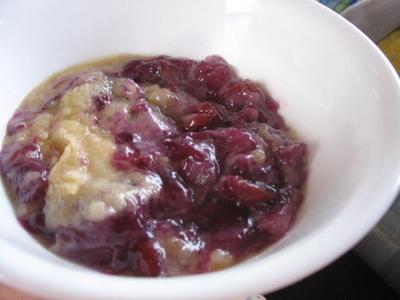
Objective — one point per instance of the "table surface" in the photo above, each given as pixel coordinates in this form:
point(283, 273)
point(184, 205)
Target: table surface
point(7, 293)
point(348, 278)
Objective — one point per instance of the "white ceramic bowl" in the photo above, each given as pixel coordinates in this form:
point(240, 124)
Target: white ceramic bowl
point(335, 88)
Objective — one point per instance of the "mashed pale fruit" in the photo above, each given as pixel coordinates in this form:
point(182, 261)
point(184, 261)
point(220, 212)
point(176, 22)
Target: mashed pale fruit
point(153, 166)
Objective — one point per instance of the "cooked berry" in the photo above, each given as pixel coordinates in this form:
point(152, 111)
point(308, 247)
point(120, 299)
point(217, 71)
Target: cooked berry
point(153, 167)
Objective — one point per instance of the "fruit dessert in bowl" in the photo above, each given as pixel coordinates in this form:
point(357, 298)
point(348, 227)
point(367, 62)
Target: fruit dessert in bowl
point(153, 166)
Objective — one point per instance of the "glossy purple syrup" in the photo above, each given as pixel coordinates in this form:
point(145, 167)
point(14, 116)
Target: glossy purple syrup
point(232, 177)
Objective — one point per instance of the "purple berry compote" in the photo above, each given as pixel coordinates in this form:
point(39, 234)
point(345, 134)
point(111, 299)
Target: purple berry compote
point(153, 166)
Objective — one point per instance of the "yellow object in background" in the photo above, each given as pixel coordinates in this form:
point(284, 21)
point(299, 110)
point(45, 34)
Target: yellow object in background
point(390, 45)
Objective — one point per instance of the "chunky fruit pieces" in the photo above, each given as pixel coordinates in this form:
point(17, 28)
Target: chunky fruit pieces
point(153, 167)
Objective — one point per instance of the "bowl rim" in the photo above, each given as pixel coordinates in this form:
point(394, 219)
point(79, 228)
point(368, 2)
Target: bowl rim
point(47, 283)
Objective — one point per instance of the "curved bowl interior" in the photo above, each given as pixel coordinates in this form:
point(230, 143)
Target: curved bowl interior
point(335, 88)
